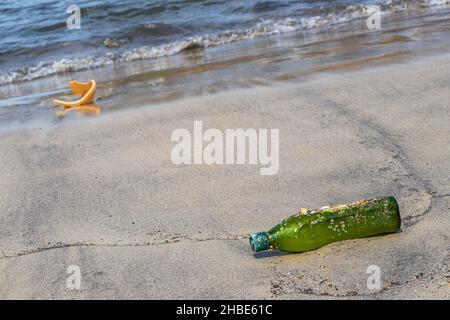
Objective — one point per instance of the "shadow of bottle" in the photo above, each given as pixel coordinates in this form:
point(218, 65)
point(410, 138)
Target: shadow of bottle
point(270, 254)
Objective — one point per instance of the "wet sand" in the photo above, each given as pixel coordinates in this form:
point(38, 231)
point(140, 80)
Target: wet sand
point(104, 195)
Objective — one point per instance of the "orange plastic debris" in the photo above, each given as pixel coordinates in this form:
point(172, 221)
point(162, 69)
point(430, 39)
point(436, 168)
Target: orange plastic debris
point(85, 89)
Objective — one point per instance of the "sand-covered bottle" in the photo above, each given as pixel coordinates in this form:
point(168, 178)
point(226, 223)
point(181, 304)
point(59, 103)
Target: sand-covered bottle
point(311, 229)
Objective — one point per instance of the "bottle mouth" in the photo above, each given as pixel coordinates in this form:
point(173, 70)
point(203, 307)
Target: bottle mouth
point(259, 241)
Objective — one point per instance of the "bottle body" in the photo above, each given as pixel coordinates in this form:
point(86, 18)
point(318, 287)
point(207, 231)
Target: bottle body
point(313, 229)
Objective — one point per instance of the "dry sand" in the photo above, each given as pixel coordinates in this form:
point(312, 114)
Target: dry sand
point(103, 194)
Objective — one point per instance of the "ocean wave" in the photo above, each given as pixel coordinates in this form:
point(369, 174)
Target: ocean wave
point(263, 28)
point(424, 3)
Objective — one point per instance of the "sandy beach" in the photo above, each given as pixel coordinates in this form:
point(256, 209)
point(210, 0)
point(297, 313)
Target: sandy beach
point(103, 194)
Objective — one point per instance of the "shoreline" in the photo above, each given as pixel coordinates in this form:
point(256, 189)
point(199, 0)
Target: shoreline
point(103, 194)
point(242, 64)
point(384, 63)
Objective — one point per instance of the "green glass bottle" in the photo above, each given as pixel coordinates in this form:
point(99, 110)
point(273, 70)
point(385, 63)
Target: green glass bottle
point(309, 230)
